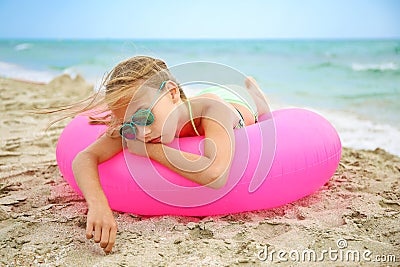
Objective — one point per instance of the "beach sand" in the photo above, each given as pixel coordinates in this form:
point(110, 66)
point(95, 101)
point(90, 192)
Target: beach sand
point(42, 220)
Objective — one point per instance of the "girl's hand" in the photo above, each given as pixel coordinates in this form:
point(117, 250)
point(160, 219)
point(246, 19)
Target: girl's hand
point(137, 147)
point(101, 220)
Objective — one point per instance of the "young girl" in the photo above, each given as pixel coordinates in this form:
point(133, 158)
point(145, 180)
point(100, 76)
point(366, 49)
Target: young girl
point(158, 113)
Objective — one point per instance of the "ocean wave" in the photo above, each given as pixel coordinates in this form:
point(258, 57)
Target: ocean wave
point(359, 133)
point(354, 130)
point(366, 95)
point(387, 66)
point(322, 65)
point(9, 70)
point(23, 46)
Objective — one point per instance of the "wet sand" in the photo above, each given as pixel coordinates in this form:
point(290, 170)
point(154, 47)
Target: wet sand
point(42, 220)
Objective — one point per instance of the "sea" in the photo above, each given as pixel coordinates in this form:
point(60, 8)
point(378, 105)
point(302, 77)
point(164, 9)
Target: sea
point(355, 84)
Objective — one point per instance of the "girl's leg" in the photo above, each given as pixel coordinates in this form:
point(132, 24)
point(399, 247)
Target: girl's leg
point(258, 96)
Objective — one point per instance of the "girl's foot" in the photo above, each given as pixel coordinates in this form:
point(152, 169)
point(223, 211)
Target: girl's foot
point(258, 96)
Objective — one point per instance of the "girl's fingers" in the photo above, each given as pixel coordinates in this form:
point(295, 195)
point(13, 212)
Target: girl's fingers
point(89, 230)
point(97, 233)
point(105, 234)
point(111, 240)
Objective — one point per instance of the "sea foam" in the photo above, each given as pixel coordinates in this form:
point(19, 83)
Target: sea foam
point(359, 133)
point(374, 67)
point(23, 46)
point(9, 70)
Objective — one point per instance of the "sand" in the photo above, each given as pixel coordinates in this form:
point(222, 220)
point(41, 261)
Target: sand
point(42, 220)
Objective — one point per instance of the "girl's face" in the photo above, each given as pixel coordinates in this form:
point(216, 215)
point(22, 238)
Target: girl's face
point(163, 106)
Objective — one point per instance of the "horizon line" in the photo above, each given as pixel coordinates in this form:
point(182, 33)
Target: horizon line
point(201, 39)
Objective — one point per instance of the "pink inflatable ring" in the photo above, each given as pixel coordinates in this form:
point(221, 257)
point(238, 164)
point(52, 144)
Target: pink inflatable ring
point(276, 161)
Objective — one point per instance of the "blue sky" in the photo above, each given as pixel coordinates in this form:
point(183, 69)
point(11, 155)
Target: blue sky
point(171, 19)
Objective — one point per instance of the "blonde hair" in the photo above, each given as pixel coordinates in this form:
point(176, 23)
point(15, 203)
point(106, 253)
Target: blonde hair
point(120, 85)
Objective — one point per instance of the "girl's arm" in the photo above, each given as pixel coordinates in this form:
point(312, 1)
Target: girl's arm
point(85, 167)
point(212, 169)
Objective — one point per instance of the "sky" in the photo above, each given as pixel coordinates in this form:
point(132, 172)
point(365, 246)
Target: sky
point(198, 19)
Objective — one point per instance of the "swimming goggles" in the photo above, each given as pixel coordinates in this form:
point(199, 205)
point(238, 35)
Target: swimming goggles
point(142, 117)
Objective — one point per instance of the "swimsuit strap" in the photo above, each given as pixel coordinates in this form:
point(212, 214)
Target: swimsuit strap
point(191, 117)
point(241, 123)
